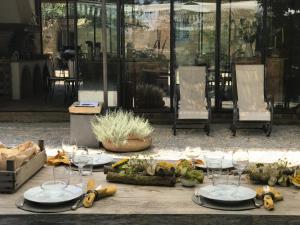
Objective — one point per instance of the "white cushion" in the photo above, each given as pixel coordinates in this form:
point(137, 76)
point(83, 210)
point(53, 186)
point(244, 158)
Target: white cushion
point(255, 116)
point(192, 92)
point(250, 86)
point(192, 114)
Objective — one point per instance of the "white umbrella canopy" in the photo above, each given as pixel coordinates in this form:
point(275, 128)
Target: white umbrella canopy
point(153, 10)
point(157, 7)
point(200, 7)
point(249, 5)
point(195, 6)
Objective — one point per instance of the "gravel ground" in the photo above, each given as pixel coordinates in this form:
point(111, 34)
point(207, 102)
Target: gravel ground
point(284, 141)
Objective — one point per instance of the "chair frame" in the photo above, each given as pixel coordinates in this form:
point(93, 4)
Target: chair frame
point(236, 123)
point(185, 123)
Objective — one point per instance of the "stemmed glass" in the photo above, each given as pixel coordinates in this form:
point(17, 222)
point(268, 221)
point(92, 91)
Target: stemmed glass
point(69, 146)
point(240, 160)
point(80, 159)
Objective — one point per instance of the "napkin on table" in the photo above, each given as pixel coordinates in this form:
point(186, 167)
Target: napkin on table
point(269, 195)
point(58, 159)
point(98, 193)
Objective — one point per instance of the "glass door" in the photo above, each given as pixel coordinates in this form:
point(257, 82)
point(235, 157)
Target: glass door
point(283, 54)
point(91, 51)
point(146, 63)
point(195, 36)
point(241, 40)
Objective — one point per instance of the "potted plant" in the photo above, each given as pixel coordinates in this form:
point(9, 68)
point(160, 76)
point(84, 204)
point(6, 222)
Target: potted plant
point(149, 96)
point(121, 131)
point(247, 31)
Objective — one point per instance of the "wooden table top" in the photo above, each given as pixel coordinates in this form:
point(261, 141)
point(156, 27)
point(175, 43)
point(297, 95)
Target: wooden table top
point(152, 205)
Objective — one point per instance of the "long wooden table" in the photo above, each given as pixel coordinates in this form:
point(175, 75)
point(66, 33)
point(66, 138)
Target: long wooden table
point(149, 205)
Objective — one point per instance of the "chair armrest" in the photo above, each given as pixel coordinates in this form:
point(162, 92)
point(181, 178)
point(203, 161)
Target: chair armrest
point(208, 102)
point(235, 111)
point(175, 99)
point(270, 104)
point(235, 105)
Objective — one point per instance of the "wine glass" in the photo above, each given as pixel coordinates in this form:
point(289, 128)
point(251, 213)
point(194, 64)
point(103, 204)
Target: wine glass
point(240, 160)
point(81, 158)
point(69, 146)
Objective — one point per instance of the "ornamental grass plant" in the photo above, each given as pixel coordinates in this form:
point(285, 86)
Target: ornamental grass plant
point(118, 126)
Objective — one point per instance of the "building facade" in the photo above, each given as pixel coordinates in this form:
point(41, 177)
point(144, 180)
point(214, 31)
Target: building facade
point(147, 40)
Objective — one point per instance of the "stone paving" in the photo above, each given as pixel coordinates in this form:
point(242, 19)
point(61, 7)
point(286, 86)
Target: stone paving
point(284, 141)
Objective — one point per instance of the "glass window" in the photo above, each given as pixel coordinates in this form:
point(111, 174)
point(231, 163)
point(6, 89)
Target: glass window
point(90, 41)
point(241, 32)
point(54, 27)
point(195, 36)
point(195, 32)
point(283, 54)
point(241, 40)
point(147, 50)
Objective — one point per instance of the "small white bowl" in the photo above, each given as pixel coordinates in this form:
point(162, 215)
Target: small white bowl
point(187, 182)
point(54, 185)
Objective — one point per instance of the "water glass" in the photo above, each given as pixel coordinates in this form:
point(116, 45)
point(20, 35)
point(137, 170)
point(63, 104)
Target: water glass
point(59, 182)
point(87, 170)
point(81, 158)
point(214, 168)
point(61, 174)
point(76, 180)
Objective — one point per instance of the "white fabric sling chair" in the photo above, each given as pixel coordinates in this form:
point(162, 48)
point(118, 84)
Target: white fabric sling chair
point(192, 105)
point(250, 104)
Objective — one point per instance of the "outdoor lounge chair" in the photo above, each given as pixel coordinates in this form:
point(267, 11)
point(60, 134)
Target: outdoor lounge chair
point(191, 103)
point(250, 105)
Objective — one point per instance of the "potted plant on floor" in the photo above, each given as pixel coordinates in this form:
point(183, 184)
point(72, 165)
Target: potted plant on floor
point(247, 31)
point(149, 96)
point(121, 131)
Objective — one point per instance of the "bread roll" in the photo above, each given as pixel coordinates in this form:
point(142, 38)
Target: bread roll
point(20, 154)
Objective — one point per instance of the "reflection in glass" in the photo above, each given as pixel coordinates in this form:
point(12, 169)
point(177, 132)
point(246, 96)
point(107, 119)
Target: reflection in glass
point(241, 31)
point(54, 27)
point(241, 40)
point(283, 54)
point(90, 41)
point(195, 36)
point(147, 43)
point(195, 32)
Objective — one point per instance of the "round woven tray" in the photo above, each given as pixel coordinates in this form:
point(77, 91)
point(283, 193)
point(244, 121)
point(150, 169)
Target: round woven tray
point(132, 145)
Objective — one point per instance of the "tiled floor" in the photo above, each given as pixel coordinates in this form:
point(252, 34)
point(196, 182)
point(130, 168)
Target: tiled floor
point(284, 141)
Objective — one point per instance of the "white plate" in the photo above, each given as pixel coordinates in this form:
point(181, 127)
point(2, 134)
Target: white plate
point(101, 159)
point(227, 193)
point(226, 164)
point(38, 195)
